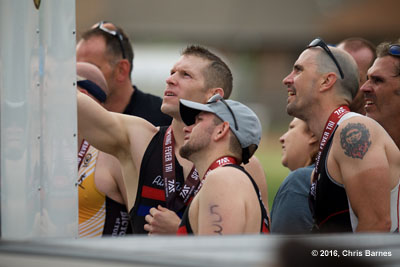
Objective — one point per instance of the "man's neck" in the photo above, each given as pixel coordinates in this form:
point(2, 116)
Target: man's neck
point(316, 123)
point(393, 130)
point(203, 163)
point(118, 99)
point(179, 135)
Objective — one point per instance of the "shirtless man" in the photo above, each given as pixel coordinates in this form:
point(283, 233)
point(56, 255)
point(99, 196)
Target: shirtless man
point(355, 181)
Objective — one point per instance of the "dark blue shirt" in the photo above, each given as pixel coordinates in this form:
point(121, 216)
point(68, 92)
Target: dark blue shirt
point(290, 213)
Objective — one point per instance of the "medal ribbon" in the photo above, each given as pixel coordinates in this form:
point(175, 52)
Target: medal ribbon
point(82, 152)
point(330, 126)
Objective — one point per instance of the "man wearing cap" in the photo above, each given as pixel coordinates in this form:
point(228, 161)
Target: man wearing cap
point(382, 89)
point(356, 176)
point(108, 47)
point(154, 172)
point(222, 134)
point(102, 209)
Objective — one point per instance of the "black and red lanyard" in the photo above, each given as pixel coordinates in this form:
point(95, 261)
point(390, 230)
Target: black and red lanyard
point(330, 126)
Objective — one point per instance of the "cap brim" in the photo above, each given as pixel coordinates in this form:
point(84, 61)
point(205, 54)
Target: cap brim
point(189, 110)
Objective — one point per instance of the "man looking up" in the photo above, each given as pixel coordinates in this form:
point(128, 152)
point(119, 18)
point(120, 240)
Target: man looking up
point(357, 165)
point(222, 134)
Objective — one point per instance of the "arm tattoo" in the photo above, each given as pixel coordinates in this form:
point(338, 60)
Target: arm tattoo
point(218, 219)
point(355, 140)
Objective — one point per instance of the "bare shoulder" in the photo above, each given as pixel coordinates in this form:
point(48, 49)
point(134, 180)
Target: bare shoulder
point(227, 179)
point(137, 124)
point(357, 135)
point(364, 120)
point(361, 122)
point(139, 134)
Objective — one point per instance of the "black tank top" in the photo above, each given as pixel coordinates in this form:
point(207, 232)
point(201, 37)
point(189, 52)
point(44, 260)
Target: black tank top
point(330, 206)
point(117, 219)
point(151, 192)
point(186, 229)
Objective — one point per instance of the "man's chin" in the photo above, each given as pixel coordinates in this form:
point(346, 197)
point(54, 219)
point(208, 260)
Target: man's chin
point(169, 110)
point(185, 152)
point(290, 111)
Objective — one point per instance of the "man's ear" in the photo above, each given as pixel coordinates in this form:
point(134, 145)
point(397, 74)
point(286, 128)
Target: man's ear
point(328, 81)
point(214, 91)
point(122, 70)
point(313, 139)
point(222, 130)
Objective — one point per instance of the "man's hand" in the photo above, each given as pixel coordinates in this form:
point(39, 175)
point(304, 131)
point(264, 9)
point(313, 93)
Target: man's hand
point(162, 221)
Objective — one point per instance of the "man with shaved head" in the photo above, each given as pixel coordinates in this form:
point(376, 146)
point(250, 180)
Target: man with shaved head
point(355, 181)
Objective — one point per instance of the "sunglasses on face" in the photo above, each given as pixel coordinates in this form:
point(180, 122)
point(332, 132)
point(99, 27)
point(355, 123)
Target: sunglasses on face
point(217, 98)
point(394, 50)
point(319, 42)
point(115, 33)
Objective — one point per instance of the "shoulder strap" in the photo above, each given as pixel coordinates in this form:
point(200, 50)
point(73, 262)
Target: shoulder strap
point(264, 215)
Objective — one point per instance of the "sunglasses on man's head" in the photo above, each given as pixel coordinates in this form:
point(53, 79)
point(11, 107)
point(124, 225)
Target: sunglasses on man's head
point(115, 33)
point(394, 50)
point(217, 98)
point(319, 42)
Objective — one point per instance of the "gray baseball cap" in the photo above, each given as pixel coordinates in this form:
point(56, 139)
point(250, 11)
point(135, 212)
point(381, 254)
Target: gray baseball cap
point(243, 122)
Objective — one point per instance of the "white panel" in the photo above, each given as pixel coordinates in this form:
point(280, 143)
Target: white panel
point(38, 119)
point(20, 147)
point(59, 152)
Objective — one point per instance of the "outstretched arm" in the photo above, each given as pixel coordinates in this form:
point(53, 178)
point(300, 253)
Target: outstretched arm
point(123, 136)
point(113, 133)
point(102, 129)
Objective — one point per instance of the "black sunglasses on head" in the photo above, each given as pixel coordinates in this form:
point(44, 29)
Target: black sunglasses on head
point(319, 42)
point(115, 33)
point(394, 50)
point(217, 98)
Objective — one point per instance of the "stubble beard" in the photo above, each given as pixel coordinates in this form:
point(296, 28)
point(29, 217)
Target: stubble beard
point(189, 149)
point(291, 109)
point(196, 144)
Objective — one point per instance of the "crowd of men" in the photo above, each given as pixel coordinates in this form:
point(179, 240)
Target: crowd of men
point(184, 164)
